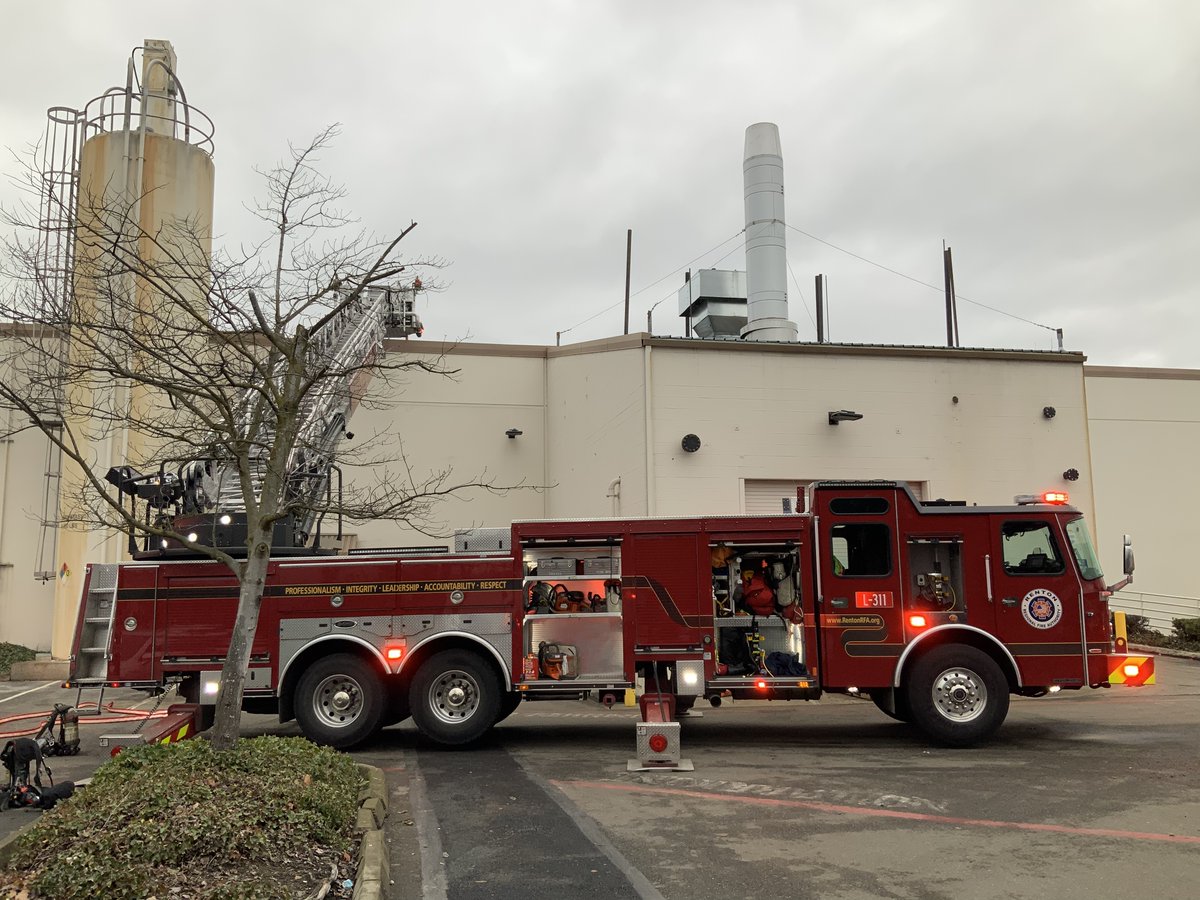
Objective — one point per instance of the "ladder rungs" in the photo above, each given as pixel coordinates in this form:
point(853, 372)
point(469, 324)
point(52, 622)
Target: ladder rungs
point(93, 649)
point(97, 619)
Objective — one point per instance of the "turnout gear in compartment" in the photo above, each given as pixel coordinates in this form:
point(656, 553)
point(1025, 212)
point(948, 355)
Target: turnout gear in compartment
point(734, 653)
point(755, 595)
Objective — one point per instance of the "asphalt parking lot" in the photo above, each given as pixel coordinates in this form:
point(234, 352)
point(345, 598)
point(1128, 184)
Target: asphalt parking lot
point(1081, 795)
point(1085, 794)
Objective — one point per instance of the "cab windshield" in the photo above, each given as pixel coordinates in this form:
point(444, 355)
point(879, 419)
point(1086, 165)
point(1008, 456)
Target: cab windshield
point(1085, 553)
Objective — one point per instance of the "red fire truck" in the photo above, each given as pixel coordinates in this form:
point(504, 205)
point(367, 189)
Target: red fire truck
point(935, 610)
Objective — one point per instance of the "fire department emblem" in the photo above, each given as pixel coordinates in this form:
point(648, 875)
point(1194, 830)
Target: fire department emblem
point(1041, 609)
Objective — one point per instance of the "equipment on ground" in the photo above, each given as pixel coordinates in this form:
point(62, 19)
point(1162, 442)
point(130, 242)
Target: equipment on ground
point(66, 741)
point(22, 759)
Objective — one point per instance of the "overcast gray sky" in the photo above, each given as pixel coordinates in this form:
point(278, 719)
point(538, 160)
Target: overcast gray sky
point(1054, 146)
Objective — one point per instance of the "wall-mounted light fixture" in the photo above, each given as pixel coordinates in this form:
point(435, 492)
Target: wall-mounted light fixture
point(690, 443)
point(513, 433)
point(1071, 475)
point(843, 415)
point(1049, 412)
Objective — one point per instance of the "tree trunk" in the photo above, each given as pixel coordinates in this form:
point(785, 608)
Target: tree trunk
point(228, 718)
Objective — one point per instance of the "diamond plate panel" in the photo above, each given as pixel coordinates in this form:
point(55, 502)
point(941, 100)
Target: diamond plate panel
point(648, 757)
point(494, 628)
point(104, 577)
point(296, 634)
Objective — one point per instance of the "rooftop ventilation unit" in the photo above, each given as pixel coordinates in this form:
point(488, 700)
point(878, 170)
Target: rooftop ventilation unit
point(714, 300)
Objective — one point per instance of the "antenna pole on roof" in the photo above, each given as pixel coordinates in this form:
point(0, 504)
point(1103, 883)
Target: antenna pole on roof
point(628, 262)
point(951, 304)
point(820, 309)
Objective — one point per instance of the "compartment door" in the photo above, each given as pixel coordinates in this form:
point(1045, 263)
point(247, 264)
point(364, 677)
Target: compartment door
point(862, 632)
point(135, 628)
point(664, 576)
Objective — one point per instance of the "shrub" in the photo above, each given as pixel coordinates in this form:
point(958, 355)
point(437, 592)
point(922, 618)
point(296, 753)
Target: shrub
point(1186, 629)
point(1138, 626)
point(13, 653)
point(161, 816)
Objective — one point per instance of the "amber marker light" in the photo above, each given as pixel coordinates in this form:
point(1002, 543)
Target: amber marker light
point(1055, 497)
point(394, 652)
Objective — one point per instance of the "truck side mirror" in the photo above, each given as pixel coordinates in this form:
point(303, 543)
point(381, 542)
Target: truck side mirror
point(1128, 579)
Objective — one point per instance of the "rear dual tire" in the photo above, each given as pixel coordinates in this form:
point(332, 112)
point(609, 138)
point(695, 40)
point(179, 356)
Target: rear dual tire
point(455, 697)
point(340, 701)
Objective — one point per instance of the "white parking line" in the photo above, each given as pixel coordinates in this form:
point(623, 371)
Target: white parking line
point(30, 691)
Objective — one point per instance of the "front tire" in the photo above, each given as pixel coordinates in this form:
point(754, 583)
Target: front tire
point(455, 697)
point(339, 701)
point(957, 695)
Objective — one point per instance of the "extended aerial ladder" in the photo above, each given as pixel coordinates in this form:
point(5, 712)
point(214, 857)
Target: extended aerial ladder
point(206, 497)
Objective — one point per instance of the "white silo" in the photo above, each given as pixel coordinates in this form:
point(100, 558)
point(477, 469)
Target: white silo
point(144, 176)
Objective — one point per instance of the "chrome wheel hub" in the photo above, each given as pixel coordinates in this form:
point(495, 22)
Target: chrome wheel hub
point(959, 695)
point(454, 696)
point(338, 701)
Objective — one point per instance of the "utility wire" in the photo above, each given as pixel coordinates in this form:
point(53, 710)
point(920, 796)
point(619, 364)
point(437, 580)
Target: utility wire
point(659, 281)
point(934, 287)
point(803, 301)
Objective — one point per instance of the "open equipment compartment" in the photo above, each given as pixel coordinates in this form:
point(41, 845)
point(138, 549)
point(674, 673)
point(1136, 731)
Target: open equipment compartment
point(573, 636)
point(757, 612)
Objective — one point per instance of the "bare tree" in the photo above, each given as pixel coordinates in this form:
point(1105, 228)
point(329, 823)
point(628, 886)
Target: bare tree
point(222, 384)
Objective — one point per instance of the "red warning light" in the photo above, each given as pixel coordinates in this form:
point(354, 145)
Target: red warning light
point(762, 685)
point(1055, 497)
point(916, 621)
point(658, 743)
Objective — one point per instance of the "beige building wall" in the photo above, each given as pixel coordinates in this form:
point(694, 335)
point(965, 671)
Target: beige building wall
point(597, 425)
point(1144, 428)
point(603, 424)
point(26, 603)
point(762, 413)
point(456, 424)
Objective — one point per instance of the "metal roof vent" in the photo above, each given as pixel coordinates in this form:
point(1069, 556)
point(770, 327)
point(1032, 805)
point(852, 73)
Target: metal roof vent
point(714, 303)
